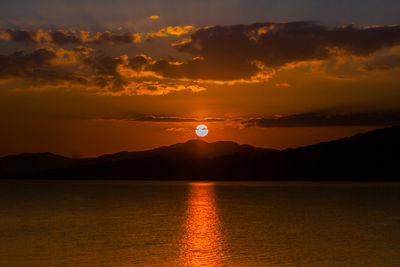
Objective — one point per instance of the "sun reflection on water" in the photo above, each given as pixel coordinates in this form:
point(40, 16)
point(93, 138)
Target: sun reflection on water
point(202, 243)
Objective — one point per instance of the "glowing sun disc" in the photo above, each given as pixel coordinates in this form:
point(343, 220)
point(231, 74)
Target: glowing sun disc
point(201, 130)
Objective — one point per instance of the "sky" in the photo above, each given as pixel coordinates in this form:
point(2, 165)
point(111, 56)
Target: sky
point(85, 78)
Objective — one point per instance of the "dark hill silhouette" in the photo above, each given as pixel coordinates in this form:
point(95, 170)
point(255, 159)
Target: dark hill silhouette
point(33, 162)
point(371, 156)
point(193, 149)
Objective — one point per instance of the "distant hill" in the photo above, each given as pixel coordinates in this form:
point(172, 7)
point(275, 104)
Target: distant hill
point(33, 162)
point(21, 165)
point(192, 149)
point(371, 156)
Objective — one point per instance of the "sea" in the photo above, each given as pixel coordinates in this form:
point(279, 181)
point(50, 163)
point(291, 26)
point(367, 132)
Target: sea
point(133, 223)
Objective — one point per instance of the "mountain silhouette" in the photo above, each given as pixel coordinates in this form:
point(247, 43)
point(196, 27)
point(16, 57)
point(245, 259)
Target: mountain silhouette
point(33, 162)
point(371, 156)
point(193, 149)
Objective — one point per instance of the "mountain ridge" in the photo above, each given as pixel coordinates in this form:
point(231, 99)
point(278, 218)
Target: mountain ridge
point(373, 155)
point(194, 148)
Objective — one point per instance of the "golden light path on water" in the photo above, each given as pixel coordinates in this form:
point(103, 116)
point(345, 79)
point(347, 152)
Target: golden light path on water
point(202, 244)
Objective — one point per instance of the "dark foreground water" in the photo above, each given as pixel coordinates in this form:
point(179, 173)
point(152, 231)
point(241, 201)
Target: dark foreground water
point(124, 223)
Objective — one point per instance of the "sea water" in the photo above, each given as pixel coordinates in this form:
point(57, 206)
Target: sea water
point(129, 223)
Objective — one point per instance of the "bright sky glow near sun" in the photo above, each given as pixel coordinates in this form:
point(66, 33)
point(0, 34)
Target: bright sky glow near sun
point(84, 78)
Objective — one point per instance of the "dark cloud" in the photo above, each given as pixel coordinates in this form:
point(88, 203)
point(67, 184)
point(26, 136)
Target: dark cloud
point(208, 69)
point(279, 43)
point(20, 36)
point(138, 62)
point(363, 41)
point(65, 37)
point(241, 51)
point(220, 54)
point(383, 63)
point(115, 38)
point(105, 71)
point(34, 65)
point(19, 62)
point(39, 67)
point(320, 119)
point(176, 119)
point(103, 64)
point(83, 66)
point(234, 53)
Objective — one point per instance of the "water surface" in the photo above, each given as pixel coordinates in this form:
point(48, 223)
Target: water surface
point(127, 223)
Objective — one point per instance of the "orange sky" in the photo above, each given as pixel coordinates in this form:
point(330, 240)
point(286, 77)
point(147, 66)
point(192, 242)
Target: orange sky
point(85, 88)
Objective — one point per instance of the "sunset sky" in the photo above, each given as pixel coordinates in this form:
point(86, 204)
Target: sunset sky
point(84, 78)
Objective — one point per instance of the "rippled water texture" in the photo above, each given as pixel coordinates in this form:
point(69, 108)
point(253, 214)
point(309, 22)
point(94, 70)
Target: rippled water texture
point(202, 244)
point(126, 223)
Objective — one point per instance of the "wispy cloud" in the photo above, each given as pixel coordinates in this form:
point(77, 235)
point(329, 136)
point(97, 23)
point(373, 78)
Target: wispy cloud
point(170, 31)
point(66, 37)
point(176, 119)
point(283, 84)
point(175, 129)
point(154, 17)
point(324, 119)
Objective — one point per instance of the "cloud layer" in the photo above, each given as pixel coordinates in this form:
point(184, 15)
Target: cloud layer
point(322, 119)
point(87, 68)
point(176, 119)
point(315, 119)
point(62, 37)
point(219, 55)
point(245, 51)
point(65, 37)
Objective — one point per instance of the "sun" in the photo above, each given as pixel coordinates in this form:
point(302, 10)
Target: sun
point(202, 130)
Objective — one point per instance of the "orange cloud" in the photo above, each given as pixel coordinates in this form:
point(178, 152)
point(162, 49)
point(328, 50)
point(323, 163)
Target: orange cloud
point(174, 129)
point(221, 55)
point(85, 68)
point(65, 37)
point(154, 17)
point(385, 60)
point(170, 31)
point(283, 85)
point(151, 118)
point(318, 119)
point(241, 51)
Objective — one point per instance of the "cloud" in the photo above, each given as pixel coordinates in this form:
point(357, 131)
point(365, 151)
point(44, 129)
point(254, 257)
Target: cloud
point(243, 52)
point(40, 66)
point(114, 38)
point(175, 129)
point(66, 37)
point(222, 55)
point(383, 63)
point(88, 69)
point(322, 119)
point(315, 119)
point(235, 54)
point(128, 76)
point(176, 119)
point(159, 88)
point(283, 85)
point(154, 17)
point(276, 44)
point(164, 119)
point(170, 31)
